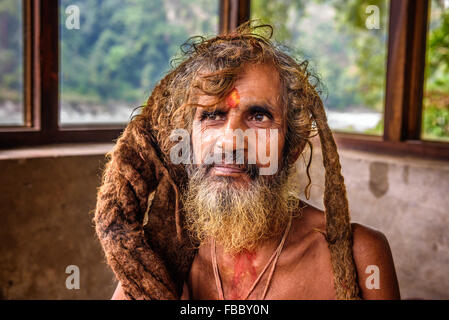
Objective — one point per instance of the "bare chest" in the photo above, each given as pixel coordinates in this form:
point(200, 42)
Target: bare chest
point(299, 274)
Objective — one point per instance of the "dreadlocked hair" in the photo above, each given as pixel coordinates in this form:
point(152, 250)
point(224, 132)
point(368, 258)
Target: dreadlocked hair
point(139, 218)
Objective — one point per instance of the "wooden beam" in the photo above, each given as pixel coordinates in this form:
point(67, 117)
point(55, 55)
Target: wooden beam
point(396, 65)
point(414, 148)
point(233, 13)
point(27, 62)
point(49, 65)
point(224, 13)
point(405, 69)
point(415, 69)
point(244, 13)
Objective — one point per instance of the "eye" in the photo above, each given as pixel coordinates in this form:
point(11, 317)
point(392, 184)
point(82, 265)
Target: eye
point(259, 117)
point(213, 116)
point(259, 114)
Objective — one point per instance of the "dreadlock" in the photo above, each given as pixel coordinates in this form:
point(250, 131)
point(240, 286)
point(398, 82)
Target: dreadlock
point(138, 216)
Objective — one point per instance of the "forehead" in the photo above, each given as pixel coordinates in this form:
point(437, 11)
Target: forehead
point(259, 82)
point(256, 83)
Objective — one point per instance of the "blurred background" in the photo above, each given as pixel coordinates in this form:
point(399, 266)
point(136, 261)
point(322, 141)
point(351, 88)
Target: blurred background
point(72, 72)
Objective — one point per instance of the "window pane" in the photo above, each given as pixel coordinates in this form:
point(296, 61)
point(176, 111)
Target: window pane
point(436, 93)
point(120, 50)
point(346, 44)
point(11, 63)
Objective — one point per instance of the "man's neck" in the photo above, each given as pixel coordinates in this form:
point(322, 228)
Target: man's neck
point(255, 257)
point(248, 266)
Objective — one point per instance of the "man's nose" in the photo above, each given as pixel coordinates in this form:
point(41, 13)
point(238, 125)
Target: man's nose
point(231, 128)
point(234, 125)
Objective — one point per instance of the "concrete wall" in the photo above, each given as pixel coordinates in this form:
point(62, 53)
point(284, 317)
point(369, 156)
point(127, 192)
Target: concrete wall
point(408, 200)
point(46, 225)
point(47, 199)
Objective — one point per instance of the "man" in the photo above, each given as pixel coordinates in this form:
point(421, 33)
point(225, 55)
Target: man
point(253, 239)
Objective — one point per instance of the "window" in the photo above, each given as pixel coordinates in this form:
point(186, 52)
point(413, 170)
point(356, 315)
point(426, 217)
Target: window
point(11, 64)
point(119, 51)
point(345, 47)
point(435, 125)
point(407, 106)
point(80, 82)
point(383, 63)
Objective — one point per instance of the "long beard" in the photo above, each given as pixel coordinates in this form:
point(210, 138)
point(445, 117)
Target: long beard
point(238, 217)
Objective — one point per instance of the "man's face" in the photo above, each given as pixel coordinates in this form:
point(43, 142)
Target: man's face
point(257, 110)
point(235, 203)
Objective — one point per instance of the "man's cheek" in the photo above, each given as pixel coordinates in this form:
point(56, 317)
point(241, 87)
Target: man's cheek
point(196, 146)
point(268, 151)
point(198, 142)
point(205, 148)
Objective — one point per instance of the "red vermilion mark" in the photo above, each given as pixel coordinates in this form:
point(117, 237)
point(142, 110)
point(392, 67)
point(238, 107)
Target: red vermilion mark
point(243, 267)
point(233, 99)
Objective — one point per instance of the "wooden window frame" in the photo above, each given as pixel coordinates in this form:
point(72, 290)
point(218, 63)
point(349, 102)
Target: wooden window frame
point(407, 34)
point(41, 90)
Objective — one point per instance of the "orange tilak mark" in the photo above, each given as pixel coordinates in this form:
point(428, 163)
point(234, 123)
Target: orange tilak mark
point(243, 266)
point(233, 99)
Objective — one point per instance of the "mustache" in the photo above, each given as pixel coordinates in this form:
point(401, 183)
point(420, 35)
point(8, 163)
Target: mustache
point(232, 158)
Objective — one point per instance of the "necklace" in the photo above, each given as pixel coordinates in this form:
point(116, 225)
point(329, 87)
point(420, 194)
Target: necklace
point(274, 256)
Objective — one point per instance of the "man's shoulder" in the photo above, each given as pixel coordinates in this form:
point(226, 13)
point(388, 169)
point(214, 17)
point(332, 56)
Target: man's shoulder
point(371, 252)
point(374, 264)
point(368, 241)
point(311, 217)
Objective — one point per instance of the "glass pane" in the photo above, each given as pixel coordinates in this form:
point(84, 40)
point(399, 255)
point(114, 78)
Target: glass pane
point(112, 59)
point(435, 122)
point(11, 63)
point(345, 43)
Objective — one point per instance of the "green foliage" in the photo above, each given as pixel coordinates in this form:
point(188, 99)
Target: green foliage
point(436, 96)
point(122, 49)
point(436, 123)
point(438, 47)
point(11, 48)
point(350, 58)
point(275, 13)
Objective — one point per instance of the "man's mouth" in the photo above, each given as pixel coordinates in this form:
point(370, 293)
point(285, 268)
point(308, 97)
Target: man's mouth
point(229, 169)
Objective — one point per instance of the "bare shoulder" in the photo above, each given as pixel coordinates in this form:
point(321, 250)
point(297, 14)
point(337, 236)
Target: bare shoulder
point(374, 263)
point(371, 251)
point(311, 217)
point(368, 242)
